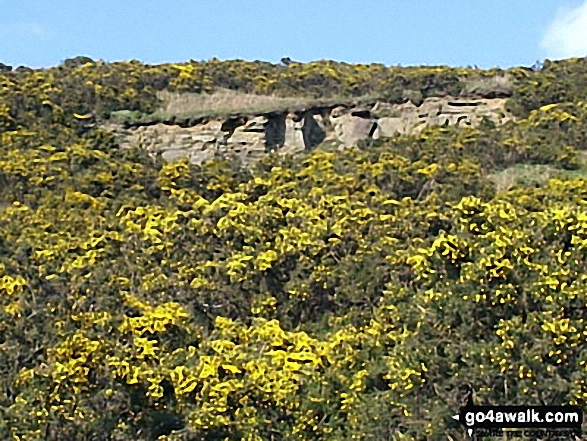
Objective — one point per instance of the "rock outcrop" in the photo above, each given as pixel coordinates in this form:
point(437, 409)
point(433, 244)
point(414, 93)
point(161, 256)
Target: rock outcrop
point(252, 136)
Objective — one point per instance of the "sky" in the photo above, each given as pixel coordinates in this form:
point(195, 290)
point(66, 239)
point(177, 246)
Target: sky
point(483, 33)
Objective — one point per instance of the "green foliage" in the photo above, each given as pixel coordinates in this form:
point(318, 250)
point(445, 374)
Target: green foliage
point(84, 87)
point(557, 82)
point(336, 295)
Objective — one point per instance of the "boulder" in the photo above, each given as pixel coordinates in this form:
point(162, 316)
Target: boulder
point(294, 138)
point(387, 127)
point(350, 129)
point(198, 156)
point(173, 155)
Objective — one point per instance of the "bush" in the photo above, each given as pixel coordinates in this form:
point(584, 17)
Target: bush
point(338, 295)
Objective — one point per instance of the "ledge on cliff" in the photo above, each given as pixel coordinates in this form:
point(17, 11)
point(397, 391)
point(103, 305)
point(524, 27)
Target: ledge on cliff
point(296, 129)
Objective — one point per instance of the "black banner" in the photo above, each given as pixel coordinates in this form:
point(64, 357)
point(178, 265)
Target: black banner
point(490, 419)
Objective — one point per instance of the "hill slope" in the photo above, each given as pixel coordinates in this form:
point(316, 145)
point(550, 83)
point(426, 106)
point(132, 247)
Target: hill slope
point(337, 294)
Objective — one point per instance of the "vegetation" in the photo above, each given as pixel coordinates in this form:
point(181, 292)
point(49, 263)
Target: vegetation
point(223, 103)
point(338, 295)
point(83, 86)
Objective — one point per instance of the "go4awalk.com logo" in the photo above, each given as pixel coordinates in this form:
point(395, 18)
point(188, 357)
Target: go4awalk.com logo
point(535, 422)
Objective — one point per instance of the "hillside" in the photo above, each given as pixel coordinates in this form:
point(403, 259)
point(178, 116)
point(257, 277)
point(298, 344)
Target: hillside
point(401, 233)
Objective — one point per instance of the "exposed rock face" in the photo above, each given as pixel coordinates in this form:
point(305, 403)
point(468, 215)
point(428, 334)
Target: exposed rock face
point(250, 137)
point(407, 118)
point(352, 127)
point(247, 140)
point(294, 138)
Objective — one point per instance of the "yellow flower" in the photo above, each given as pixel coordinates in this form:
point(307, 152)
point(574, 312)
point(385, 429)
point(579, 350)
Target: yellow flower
point(230, 368)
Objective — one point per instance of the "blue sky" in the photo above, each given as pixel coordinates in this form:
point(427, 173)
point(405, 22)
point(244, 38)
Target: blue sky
point(486, 33)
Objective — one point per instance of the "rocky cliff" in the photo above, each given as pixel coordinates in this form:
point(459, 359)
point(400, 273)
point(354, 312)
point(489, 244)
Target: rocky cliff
point(290, 131)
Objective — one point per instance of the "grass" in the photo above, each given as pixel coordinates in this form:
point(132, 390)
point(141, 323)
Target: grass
point(500, 84)
point(225, 102)
point(526, 175)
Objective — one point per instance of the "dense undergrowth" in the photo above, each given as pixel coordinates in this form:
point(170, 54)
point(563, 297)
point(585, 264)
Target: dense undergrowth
point(340, 295)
